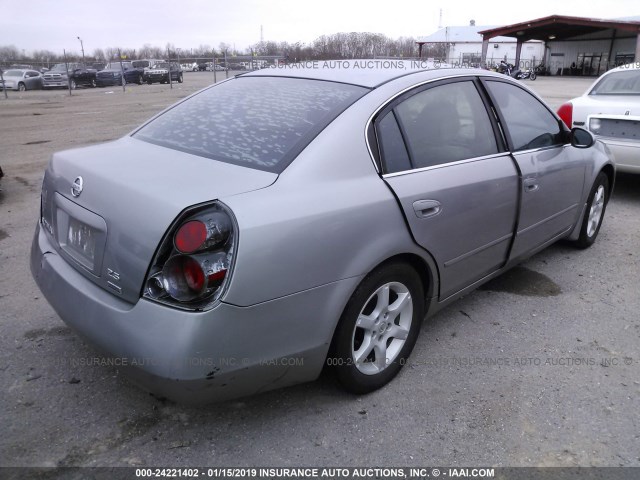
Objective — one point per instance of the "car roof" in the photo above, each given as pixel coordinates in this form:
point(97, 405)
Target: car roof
point(365, 73)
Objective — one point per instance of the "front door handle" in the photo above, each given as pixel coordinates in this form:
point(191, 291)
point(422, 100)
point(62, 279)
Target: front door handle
point(426, 208)
point(530, 184)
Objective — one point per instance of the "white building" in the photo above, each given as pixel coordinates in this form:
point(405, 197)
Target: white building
point(574, 45)
point(463, 45)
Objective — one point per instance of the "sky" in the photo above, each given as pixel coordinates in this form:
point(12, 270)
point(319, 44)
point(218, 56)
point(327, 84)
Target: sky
point(55, 24)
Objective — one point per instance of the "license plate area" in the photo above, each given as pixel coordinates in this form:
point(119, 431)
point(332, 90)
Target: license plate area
point(81, 240)
point(81, 234)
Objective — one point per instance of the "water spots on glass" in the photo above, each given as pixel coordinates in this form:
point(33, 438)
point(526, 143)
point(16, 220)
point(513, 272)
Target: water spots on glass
point(260, 122)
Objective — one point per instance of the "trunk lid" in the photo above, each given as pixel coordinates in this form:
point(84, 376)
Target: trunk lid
point(131, 192)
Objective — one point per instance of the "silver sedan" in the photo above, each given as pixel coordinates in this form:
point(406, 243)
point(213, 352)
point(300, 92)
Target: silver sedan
point(21, 79)
point(294, 219)
point(610, 109)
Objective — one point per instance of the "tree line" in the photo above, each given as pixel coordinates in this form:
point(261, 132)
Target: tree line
point(336, 46)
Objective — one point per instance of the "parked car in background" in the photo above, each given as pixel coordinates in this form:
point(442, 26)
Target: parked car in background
point(160, 73)
point(144, 64)
point(112, 74)
point(610, 109)
point(20, 79)
point(79, 74)
point(285, 221)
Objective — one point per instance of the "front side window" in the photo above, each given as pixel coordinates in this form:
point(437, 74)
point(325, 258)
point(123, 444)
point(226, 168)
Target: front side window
point(529, 123)
point(258, 122)
point(446, 123)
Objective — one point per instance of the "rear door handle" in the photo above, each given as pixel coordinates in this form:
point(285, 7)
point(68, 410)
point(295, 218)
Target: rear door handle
point(426, 208)
point(530, 184)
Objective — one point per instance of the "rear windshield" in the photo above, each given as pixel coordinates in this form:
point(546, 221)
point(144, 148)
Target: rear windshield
point(618, 83)
point(257, 122)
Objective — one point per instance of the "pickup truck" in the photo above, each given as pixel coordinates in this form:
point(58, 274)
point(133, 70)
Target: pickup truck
point(79, 74)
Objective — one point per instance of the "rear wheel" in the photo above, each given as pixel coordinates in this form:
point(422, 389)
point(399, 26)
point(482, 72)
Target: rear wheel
point(72, 84)
point(22, 87)
point(533, 76)
point(180, 79)
point(378, 328)
point(93, 83)
point(596, 206)
point(140, 79)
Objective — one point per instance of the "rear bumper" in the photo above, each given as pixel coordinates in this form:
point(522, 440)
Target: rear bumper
point(54, 84)
point(626, 154)
point(196, 357)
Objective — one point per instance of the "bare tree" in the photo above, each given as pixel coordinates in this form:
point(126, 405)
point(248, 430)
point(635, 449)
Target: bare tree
point(99, 54)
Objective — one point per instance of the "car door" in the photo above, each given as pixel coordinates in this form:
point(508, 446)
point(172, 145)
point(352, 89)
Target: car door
point(32, 80)
point(457, 185)
point(552, 172)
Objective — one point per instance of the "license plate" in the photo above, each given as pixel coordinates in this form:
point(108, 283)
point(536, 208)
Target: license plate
point(81, 239)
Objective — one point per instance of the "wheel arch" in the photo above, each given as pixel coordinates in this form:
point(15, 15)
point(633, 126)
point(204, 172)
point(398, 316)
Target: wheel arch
point(424, 267)
point(610, 172)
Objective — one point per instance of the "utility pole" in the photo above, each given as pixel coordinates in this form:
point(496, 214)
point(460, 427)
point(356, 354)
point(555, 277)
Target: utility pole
point(82, 48)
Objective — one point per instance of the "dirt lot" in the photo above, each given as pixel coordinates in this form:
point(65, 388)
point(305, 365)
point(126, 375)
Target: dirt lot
point(540, 367)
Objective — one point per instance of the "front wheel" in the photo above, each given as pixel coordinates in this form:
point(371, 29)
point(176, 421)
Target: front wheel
point(596, 205)
point(72, 84)
point(22, 87)
point(378, 328)
point(140, 79)
point(533, 76)
point(180, 79)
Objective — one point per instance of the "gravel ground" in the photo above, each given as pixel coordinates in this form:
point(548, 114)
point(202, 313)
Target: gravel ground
point(538, 368)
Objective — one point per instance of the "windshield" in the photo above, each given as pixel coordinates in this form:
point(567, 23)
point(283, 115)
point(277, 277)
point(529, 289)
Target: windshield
point(161, 65)
point(12, 73)
point(257, 122)
point(59, 67)
point(618, 83)
point(116, 65)
point(140, 63)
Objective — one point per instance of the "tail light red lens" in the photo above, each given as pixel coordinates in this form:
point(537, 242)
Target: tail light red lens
point(189, 277)
point(565, 112)
point(206, 232)
point(191, 236)
point(191, 268)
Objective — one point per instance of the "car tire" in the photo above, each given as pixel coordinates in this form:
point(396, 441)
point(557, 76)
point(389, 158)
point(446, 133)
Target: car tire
point(93, 83)
point(533, 76)
point(149, 82)
point(594, 213)
point(140, 80)
point(378, 328)
point(72, 84)
point(180, 79)
point(22, 87)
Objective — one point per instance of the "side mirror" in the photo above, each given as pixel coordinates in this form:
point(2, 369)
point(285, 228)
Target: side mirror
point(581, 138)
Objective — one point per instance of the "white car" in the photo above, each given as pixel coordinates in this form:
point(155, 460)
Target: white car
point(610, 109)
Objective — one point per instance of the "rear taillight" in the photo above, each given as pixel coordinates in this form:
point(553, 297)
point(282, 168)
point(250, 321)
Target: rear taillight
point(565, 112)
point(191, 268)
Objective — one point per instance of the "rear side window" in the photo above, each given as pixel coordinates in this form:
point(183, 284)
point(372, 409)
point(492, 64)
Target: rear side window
point(394, 152)
point(257, 122)
point(446, 123)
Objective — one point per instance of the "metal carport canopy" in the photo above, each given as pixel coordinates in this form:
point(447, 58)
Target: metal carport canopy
point(556, 27)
